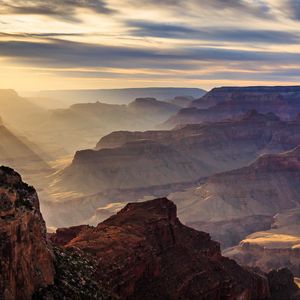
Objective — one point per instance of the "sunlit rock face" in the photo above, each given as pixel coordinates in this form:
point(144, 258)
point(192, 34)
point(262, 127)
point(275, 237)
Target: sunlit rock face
point(146, 253)
point(231, 231)
point(278, 247)
point(26, 258)
point(229, 102)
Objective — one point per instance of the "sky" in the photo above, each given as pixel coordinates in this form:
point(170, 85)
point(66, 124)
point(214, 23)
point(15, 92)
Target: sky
point(77, 44)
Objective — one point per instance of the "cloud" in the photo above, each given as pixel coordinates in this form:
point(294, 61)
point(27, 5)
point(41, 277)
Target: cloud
point(149, 29)
point(292, 7)
point(59, 54)
point(257, 8)
point(55, 8)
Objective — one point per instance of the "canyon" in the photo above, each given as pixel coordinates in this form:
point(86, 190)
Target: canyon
point(128, 256)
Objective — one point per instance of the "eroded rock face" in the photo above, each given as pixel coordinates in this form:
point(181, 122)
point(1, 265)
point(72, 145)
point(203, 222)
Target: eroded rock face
point(26, 263)
point(142, 159)
point(144, 252)
point(268, 186)
point(228, 102)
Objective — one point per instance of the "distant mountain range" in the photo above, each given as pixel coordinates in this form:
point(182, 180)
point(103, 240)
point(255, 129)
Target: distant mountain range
point(231, 102)
point(118, 96)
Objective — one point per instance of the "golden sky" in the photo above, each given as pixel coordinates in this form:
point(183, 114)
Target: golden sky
point(73, 44)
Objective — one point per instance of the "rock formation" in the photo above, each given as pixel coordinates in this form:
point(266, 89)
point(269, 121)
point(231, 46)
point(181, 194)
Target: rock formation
point(267, 186)
point(142, 252)
point(229, 102)
point(26, 259)
point(143, 159)
point(136, 251)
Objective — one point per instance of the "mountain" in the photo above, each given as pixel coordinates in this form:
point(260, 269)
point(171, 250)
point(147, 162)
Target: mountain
point(131, 255)
point(91, 120)
point(275, 248)
point(15, 152)
point(118, 96)
point(181, 101)
point(269, 185)
point(151, 106)
point(230, 102)
point(137, 248)
point(143, 159)
point(18, 111)
point(233, 204)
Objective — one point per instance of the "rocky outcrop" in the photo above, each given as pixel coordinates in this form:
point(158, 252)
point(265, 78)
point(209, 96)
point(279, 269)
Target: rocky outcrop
point(143, 159)
point(229, 102)
point(26, 263)
point(136, 251)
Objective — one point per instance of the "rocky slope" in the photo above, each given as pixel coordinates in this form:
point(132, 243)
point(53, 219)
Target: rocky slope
point(26, 262)
point(136, 249)
point(269, 185)
point(143, 159)
point(229, 102)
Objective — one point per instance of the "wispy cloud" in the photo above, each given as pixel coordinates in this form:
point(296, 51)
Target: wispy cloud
point(55, 8)
point(146, 40)
point(150, 29)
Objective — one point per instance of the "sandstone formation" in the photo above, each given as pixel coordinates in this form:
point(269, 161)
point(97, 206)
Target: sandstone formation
point(26, 262)
point(268, 186)
point(137, 248)
point(143, 159)
point(229, 102)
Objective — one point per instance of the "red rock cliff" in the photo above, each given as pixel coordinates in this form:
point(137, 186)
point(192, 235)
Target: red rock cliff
point(144, 252)
point(26, 260)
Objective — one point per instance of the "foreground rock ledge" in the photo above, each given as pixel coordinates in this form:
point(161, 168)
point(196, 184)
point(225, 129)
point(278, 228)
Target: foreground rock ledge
point(146, 253)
